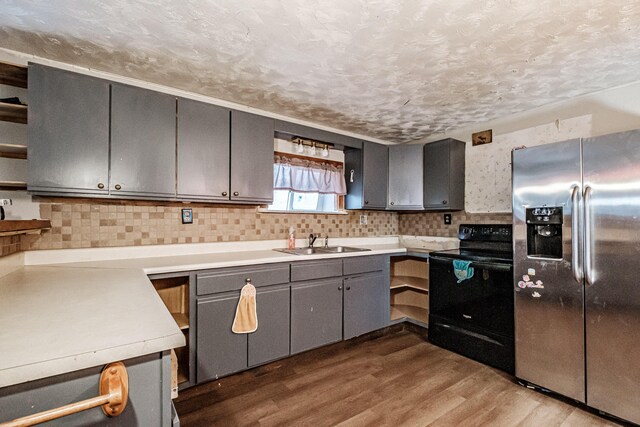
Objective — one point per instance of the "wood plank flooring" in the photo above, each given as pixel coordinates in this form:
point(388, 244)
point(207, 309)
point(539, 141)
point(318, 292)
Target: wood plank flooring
point(398, 379)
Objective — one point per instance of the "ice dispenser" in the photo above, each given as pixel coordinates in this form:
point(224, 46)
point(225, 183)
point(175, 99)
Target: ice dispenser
point(544, 232)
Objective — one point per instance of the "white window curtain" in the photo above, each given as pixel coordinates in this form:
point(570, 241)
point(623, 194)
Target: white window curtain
point(305, 176)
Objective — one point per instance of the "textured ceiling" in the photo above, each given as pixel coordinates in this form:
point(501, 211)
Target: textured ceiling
point(392, 69)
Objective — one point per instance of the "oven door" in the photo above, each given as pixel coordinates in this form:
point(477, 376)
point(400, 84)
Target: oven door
point(473, 317)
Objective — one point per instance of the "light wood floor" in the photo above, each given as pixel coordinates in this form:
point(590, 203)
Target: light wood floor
point(393, 380)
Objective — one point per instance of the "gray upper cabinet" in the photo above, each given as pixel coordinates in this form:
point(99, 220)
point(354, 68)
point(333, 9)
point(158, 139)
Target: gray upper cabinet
point(251, 157)
point(203, 150)
point(444, 175)
point(143, 142)
point(366, 303)
point(316, 314)
point(68, 131)
point(406, 177)
point(367, 176)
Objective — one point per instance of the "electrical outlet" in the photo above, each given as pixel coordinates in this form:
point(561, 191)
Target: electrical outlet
point(5, 202)
point(363, 220)
point(447, 219)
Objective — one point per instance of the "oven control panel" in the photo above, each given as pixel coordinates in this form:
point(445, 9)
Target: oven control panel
point(485, 232)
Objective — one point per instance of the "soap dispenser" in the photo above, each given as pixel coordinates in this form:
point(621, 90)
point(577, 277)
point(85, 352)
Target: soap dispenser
point(292, 238)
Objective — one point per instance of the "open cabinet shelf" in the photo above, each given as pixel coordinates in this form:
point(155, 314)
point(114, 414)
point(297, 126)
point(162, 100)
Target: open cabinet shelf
point(174, 292)
point(14, 75)
point(409, 289)
point(15, 113)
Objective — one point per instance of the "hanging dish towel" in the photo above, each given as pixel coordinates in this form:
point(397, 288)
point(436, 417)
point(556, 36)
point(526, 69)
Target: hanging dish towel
point(246, 320)
point(462, 270)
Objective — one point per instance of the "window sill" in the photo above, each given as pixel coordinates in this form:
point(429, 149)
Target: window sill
point(265, 210)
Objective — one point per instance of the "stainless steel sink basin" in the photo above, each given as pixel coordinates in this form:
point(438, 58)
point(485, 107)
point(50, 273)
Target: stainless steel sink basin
point(341, 249)
point(327, 250)
point(299, 251)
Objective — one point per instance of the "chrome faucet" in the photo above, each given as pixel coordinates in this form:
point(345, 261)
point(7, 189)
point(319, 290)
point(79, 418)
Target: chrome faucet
point(312, 240)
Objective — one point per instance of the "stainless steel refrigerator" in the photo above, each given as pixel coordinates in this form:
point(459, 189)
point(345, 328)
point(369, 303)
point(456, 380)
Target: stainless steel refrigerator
point(576, 228)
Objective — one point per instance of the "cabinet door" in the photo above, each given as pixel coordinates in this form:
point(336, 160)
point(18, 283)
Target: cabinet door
point(375, 175)
point(366, 173)
point(316, 314)
point(251, 157)
point(444, 175)
point(143, 142)
point(366, 304)
point(68, 132)
point(219, 351)
point(405, 177)
point(203, 150)
point(271, 340)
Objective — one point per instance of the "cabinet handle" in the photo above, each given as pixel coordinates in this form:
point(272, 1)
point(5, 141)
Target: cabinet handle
point(224, 194)
point(339, 288)
point(235, 193)
point(444, 202)
point(118, 186)
point(100, 185)
point(348, 288)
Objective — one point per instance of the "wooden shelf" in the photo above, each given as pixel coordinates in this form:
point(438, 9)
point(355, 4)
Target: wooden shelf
point(399, 311)
point(30, 226)
point(417, 283)
point(14, 151)
point(13, 113)
point(13, 75)
point(182, 377)
point(181, 319)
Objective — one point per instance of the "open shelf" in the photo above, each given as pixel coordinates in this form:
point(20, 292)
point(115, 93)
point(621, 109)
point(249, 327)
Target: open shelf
point(174, 292)
point(409, 288)
point(14, 75)
point(10, 227)
point(15, 113)
point(14, 151)
point(418, 283)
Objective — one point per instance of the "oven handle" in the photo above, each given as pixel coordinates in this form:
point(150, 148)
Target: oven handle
point(483, 265)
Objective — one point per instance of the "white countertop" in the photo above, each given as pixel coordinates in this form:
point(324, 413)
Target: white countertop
point(58, 320)
point(66, 310)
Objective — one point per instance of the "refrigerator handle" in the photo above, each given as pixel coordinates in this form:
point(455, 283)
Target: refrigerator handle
point(575, 232)
point(587, 235)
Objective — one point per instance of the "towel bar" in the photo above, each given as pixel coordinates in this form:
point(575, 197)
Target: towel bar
point(114, 392)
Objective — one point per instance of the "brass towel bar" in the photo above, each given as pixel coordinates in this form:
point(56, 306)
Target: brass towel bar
point(114, 392)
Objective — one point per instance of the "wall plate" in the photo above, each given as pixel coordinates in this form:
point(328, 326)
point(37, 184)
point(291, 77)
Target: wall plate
point(447, 219)
point(187, 216)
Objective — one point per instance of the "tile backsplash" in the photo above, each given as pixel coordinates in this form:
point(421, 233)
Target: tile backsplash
point(85, 223)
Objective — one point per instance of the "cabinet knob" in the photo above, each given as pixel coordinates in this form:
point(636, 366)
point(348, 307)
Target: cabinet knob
point(118, 186)
point(100, 185)
point(235, 193)
point(366, 202)
point(348, 288)
point(339, 288)
point(224, 194)
point(392, 203)
point(444, 202)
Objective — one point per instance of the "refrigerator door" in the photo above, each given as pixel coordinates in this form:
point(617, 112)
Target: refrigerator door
point(612, 273)
point(549, 318)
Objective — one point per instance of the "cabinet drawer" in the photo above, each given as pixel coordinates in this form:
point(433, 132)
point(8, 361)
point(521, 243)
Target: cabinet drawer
point(315, 270)
point(231, 279)
point(364, 264)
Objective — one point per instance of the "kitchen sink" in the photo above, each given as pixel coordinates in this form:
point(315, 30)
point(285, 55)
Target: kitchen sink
point(325, 250)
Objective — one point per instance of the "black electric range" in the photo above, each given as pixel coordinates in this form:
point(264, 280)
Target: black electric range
point(473, 316)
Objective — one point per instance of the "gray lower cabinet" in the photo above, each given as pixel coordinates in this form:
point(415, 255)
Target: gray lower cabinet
point(271, 340)
point(251, 157)
point(444, 175)
point(367, 172)
point(406, 177)
point(366, 303)
point(220, 352)
point(316, 314)
point(203, 150)
point(68, 132)
point(149, 402)
point(143, 142)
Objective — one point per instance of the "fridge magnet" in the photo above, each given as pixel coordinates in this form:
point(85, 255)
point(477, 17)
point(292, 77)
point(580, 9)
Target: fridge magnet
point(538, 284)
point(522, 284)
point(187, 216)
point(531, 271)
point(535, 294)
